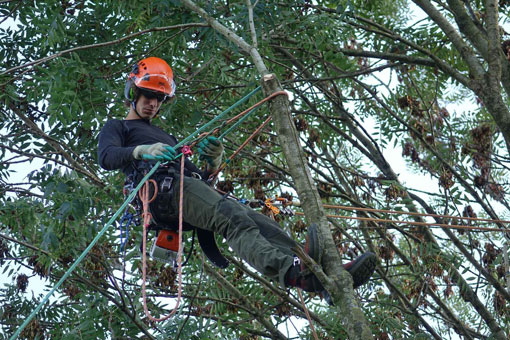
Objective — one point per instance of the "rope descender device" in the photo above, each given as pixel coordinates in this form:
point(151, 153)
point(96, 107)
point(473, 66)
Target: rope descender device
point(186, 151)
point(269, 204)
point(284, 209)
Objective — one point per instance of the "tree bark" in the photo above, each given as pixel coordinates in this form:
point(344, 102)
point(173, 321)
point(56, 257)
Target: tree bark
point(338, 282)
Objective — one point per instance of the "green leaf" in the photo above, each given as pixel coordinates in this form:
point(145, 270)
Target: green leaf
point(64, 210)
point(49, 239)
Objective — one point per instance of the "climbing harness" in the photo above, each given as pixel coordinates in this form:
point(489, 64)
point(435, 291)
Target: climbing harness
point(163, 246)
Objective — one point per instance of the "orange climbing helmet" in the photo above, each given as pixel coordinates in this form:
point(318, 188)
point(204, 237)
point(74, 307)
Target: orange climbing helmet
point(151, 74)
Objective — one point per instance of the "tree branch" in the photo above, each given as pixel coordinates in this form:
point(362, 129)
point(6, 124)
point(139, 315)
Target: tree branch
point(109, 43)
point(77, 166)
point(465, 51)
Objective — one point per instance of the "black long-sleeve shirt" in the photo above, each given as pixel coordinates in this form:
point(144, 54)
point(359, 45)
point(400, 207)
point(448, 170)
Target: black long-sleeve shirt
point(118, 139)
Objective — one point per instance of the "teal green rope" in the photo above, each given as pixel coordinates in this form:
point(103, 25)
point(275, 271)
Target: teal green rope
point(205, 126)
point(236, 124)
point(119, 211)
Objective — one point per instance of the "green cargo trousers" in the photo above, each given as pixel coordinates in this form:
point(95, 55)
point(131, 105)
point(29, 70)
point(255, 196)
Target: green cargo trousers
point(254, 237)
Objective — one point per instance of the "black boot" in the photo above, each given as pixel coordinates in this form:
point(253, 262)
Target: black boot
point(298, 275)
point(361, 269)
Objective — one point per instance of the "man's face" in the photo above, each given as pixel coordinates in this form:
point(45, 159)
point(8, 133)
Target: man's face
point(148, 104)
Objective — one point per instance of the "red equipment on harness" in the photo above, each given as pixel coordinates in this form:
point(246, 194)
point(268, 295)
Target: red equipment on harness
point(165, 246)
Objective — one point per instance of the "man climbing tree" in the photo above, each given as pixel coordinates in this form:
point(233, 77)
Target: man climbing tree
point(133, 144)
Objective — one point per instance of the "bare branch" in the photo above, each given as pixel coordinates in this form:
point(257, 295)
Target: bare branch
point(252, 23)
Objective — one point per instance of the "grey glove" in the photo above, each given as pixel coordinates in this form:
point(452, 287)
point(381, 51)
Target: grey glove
point(211, 149)
point(157, 151)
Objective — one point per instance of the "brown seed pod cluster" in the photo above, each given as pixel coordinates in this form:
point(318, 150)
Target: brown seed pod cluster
point(314, 137)
point(22, 282)
point(152, 268)
point(505, 45)
point(357, 181)
point(37, 267)
point(490, 254)
point(500, 304)
point(410, 151)
point(468, 212)
point(94, 262)
point(225, 186)
point(393, 192)
point(34, 330)
point(238, 275)
point(232, 307)
point(72, 291)
point(446, 179)
point(479, 147)
point(299, 227)
point(166, 277)
point(385, 252)
point(414, 106)
point(337, 237)
point(435, 269)
point(412, 288)
point(199, 310)
point(283, 309)
point(325, 190)
point(301, 124)
point(448, 291)
point(500, 271)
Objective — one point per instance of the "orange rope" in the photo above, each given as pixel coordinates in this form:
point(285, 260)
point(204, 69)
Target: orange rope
point(307, 315)
point(449, 226)
point(255, 133)
point(271, 96)
point(343, 207)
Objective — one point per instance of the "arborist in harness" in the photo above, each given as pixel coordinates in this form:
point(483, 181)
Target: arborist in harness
point(133, 143)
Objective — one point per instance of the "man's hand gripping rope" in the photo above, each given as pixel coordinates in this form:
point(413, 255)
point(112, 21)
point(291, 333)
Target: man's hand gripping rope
point(156, 151)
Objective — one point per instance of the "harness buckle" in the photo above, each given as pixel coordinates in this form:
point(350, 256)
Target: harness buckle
point(166, 184)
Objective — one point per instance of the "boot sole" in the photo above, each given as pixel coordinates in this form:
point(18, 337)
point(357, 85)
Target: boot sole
point(363, 268)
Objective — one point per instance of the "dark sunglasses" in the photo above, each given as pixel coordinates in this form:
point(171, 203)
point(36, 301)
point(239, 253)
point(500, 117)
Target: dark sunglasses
point(153, 95)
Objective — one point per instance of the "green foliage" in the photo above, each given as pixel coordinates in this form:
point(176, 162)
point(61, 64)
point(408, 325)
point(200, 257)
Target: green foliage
point(416, 113)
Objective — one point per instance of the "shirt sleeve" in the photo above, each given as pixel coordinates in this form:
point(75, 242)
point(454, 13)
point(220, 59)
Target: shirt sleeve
point(112, 154)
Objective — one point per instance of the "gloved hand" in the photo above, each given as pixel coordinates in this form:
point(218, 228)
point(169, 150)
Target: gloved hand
point(211, 149)
point(157, 151)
